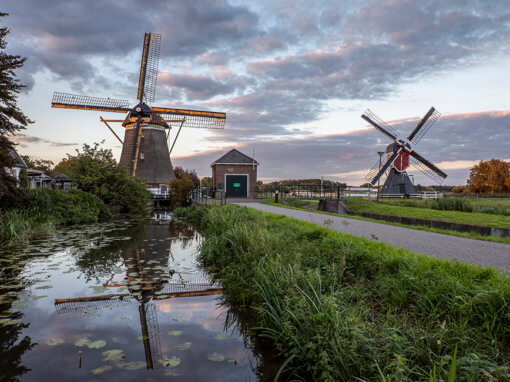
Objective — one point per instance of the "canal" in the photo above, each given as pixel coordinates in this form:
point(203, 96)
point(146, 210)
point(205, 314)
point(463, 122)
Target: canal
point(120, 301)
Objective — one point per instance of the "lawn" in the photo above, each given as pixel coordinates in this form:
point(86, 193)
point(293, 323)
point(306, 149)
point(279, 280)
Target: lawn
point(385, 208)
point(339, 307)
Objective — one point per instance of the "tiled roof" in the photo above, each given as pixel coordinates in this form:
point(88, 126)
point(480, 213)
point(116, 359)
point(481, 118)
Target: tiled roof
point(235, 157)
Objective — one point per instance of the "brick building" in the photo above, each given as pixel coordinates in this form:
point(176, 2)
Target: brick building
point(236, 174)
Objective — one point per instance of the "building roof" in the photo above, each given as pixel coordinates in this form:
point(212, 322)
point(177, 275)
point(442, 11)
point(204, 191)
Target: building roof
point(235, 157)
point(18, 161)
point(62, 177)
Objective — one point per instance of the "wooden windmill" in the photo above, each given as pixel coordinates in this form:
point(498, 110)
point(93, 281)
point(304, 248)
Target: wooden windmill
point(145, 151)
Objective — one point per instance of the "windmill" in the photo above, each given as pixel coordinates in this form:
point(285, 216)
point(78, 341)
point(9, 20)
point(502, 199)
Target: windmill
point(399, 155)
point(145, 150)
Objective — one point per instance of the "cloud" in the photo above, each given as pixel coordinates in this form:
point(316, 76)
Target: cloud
point(455, 143)
point(23, 140)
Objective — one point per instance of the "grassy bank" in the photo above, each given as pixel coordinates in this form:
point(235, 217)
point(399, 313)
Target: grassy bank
point(495, 206)
point(469, 235)
point(482, 219)
point(40, 210)
point(339, 307)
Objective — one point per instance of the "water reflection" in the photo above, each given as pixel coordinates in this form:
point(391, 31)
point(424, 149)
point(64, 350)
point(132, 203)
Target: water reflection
point(115, 301)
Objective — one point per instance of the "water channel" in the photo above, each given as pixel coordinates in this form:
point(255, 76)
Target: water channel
point(120, 301)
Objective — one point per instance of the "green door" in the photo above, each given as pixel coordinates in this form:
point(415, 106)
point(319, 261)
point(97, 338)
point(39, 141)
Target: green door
point(237, 186)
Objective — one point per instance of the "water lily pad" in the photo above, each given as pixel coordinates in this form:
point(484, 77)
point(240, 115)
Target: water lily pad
point(124, 317)
point(221, 337)
point(172, 362)
point(184, 346)
point(90, 327)
point(102, 369)
point(183, 319)
point(171, 373)
point(54, 342)
point(98, 289)
point(44, 287)
point(175, 333)
point(9, 321)
point(120, 340)
point(215, 357)
point(97, 344)
point(82, 342)
point(135, 365)
point(140, 338)
point(113, 355)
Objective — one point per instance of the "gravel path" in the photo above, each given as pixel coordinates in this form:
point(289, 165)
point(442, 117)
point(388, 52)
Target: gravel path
point(486, 253)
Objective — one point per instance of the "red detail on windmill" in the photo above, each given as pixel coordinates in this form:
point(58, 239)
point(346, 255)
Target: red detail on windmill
point(402, 161)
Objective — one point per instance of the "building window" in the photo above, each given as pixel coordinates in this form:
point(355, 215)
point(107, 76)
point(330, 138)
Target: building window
point(141, 155)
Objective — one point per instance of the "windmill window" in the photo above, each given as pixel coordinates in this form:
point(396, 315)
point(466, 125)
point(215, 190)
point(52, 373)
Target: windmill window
point(141, 155)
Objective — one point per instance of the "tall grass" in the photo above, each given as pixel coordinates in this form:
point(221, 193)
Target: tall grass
point(339, 307)
point(42, 209)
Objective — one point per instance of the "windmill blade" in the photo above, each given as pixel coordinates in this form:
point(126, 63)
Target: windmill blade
point(151, 335)
point(427, 168)
point(149, 68)
point(81, 304)
point(424, 125)
point(388, 163)
point(373, 171)
point(380, 125)
point(194, 118)
point(75, 101)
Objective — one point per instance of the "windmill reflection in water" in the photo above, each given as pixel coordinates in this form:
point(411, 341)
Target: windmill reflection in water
point(147, 278)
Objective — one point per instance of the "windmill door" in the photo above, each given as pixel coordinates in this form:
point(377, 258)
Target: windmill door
point(237, 186)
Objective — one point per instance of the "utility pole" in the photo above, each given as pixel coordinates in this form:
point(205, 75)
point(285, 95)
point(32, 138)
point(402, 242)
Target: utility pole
point(381, 153)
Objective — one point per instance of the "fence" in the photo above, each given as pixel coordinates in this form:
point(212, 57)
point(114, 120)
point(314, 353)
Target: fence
point(206, 195)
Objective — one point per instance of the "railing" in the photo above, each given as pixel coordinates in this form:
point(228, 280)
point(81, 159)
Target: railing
point(157, 193)
point(207, 195)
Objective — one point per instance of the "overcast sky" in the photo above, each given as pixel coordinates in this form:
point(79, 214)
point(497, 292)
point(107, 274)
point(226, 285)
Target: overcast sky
point(293, 76)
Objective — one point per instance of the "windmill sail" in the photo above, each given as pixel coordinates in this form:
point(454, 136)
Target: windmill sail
point(149, 68)
point(427, 168)
point(193, 118)
point(388, 163)
point(380, 125)
point(75, 101)
point(424, 125)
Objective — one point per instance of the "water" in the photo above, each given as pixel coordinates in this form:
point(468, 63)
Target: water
point(119, 301)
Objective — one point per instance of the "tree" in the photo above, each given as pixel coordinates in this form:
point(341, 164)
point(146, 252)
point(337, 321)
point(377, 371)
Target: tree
point(492, 176)
point(11, 117)
point(207, 182)
point(191, 174)
point(97, 172)
point(39, 164)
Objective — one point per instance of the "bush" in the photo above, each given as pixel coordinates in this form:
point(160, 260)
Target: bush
point(459, 189)
point(75, 206)
point(180, 189)
point(453, 204)
point(98, 173)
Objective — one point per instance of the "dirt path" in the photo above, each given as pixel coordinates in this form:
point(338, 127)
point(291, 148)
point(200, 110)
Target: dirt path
point(486, 253)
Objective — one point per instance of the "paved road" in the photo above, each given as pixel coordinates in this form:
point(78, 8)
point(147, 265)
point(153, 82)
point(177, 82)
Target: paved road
point(480, 252)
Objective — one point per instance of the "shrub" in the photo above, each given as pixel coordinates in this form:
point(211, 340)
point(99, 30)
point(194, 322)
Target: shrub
point(453, 204)
point(459, 189)
point(180, 189)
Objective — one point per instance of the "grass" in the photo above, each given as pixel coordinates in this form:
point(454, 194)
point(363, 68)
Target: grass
point(481, 219)
point(495, 206)
point(339, 307)
point(469, 235)
point(42, 209)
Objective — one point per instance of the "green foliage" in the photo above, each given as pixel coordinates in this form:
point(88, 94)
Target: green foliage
point(180, 189)
point(339, 307)
point(97, 172)
point(207, 182)
point(422, 209)
point(11, 117)
point(23, 178)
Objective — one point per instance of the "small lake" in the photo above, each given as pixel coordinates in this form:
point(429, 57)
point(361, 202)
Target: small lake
point(119, 301)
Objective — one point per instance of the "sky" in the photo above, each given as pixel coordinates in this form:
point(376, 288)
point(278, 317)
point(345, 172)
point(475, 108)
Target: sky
point(293, 77)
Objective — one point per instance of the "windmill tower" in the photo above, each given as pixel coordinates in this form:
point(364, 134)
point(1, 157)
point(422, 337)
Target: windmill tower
point(399, 155)
point(145, 151)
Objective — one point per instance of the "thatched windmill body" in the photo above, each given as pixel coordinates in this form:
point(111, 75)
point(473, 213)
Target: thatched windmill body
point(145, 151)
